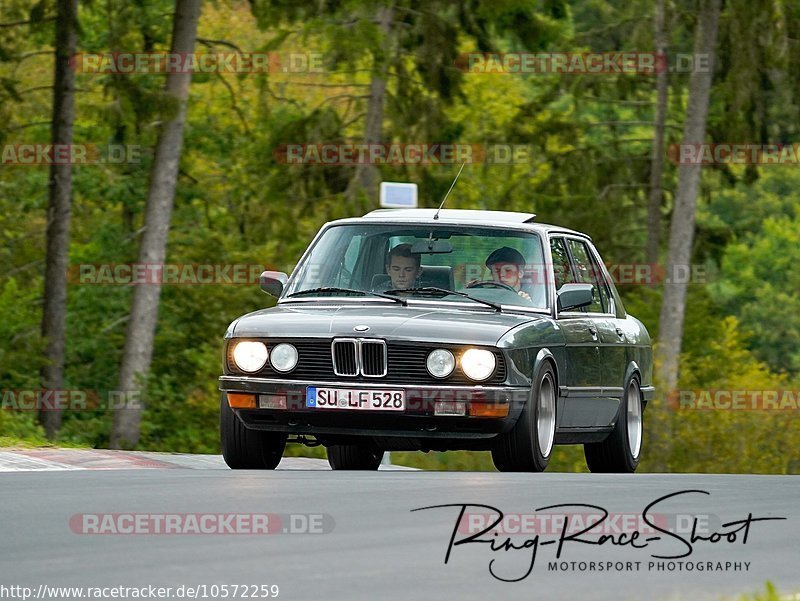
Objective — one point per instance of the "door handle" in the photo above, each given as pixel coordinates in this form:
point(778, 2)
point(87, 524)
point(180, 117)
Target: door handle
point(593, 332)
point(620, 333)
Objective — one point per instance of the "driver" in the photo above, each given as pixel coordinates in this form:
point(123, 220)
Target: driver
point(403, 267)
point(508, 266)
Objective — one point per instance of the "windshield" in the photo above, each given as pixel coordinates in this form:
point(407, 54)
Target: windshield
point(486, 266)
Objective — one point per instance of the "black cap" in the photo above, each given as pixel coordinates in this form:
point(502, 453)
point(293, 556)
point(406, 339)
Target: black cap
point(505, 255)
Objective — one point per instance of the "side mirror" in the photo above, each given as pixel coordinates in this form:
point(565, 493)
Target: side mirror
point(574, 296)
point(272, 282)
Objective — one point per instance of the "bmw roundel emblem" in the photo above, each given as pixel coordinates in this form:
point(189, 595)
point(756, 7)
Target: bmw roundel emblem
point(361, 329)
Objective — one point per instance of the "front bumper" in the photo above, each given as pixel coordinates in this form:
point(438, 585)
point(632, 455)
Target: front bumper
point(416, 421)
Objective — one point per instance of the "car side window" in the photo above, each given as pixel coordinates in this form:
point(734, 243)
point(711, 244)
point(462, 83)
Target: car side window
point(589, 273)
point(606, 298)
point(562, 274)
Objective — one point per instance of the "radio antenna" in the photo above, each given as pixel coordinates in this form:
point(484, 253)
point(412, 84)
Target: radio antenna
point(436, 215)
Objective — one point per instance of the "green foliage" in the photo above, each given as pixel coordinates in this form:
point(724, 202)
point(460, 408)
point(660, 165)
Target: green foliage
point(770, 594)
point(587, 167)
point(20, 429)
point(448, 461)
point(21, 355)
point(716, 357)
point(759, 282)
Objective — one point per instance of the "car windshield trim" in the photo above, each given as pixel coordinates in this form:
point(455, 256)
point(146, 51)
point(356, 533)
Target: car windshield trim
point(321, 289)
point(445, 291)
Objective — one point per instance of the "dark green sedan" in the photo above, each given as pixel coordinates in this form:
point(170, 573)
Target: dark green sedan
point(409, 329)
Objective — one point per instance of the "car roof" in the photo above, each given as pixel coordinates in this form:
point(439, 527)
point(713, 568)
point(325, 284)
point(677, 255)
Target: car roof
point(451, 215)
point(512, 219)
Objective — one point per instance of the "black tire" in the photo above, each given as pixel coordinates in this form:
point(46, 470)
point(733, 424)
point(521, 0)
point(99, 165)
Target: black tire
point(361, 456)
point(614, 455)
point(520, 450)
point(245, 449)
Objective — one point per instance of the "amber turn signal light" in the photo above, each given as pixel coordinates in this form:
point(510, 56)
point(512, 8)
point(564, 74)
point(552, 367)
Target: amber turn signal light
point(238, 400)
point(488, 409)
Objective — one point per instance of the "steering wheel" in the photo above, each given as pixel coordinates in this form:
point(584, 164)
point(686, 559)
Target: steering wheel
point(490, 283)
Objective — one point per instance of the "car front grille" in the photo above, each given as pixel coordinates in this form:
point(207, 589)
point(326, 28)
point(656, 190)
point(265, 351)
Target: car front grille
point(345, 357)
point(373, 358)
point(401, 362)
point(358, 356)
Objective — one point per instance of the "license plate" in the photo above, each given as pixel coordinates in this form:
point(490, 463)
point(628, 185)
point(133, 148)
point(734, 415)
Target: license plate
point(349, 398)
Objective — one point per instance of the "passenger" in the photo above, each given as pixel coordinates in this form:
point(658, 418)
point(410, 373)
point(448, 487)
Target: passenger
point(403, 267)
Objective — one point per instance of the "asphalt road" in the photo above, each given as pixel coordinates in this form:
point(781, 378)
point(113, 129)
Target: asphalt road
point(373, 546)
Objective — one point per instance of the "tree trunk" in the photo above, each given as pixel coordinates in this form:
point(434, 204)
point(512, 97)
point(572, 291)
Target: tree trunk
point(657, 161)
point(59, 210)
point(683, 215)
point(367, 176)
point(138, 352)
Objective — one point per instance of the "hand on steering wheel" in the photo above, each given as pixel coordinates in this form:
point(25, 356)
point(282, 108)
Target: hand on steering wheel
point(490, 283)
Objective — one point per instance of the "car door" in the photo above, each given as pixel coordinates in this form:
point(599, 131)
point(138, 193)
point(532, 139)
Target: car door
point(611, 345)
point(582, 381)
point(614, 336)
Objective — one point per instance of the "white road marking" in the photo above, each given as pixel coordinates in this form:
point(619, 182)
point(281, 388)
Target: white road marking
point(14, 462)
point(54, 459)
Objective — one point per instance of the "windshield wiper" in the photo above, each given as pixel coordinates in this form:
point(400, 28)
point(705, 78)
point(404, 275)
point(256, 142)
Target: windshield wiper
point(494, 306)
point(402, 301)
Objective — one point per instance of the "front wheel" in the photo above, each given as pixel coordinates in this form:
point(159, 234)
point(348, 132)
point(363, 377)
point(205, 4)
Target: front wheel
point(529, 444)
point(361, 456)
point(620, 452)
point(245, 449)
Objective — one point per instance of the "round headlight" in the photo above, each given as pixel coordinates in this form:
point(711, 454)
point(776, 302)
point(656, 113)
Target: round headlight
point(250, 355)
point(478, 364)
point(283, 357)
point(440, 363)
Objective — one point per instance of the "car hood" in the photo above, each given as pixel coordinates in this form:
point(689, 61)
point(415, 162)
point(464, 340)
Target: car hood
point(417, 323)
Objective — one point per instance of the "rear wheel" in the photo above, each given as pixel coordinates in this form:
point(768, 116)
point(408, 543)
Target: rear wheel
point(245, 449)
point(361, 456)
point(529, 445)
point(620, 452)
